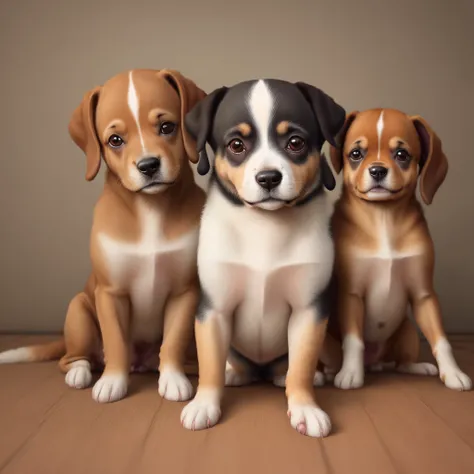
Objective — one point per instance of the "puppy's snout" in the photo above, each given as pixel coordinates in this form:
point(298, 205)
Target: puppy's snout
point(269, 179)
point(148, 166)
point(378, 172)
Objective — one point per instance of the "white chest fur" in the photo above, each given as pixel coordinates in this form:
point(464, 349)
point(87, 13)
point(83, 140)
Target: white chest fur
point(149, 270)
point(260, 266)
point(383, 275)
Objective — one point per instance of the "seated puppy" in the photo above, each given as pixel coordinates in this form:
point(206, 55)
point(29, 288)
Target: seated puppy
point(144, 288)
point(265, 252)
point(384, 252)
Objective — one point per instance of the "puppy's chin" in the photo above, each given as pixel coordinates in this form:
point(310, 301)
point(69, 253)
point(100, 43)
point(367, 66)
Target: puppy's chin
point(155, 188)
point(269, 205)
point(380, 194)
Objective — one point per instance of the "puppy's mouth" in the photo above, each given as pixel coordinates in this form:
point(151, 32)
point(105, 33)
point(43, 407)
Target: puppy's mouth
point(154, 185)
point(379, 189)
point(268, 200)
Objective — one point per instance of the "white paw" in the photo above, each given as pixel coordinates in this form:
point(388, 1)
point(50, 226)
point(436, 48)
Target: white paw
point(79, 374)
point(174, 386)
point(350, 377)
point(309, 420)
point(418, 368)
point(110, 388)
point(203, 412)
point(329, 374)
point(234, 379)
point(455, 379)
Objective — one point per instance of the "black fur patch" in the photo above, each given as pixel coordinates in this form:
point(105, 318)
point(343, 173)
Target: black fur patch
point(203, 306)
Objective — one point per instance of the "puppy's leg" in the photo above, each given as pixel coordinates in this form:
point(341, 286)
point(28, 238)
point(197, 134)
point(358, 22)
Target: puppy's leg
point(280, 370)
point(113, 312)
point(213, 333)
point(351, 319)
point(306, 331)
point(428, 316)
point(178, 331)
point(81, 336)
point(405, 349)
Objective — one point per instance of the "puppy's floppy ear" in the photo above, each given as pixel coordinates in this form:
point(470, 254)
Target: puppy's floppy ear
point(327, 177)
point(82, 130)
point(433, 161)
point(190, 94)
point(198, 123)
point(329, 114)
point(336, 152)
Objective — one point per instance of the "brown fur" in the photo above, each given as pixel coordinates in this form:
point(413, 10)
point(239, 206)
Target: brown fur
point(101, 313)
point(356, 215)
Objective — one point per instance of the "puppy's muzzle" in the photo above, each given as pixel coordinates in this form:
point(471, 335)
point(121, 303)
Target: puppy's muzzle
point(269, 179)
point(378, 172)
point(149, 166)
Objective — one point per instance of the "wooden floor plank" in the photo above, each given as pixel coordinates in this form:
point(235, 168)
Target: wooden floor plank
point(395, 424)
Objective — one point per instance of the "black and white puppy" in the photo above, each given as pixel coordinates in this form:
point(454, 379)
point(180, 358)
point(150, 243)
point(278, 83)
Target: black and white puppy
point(265, 253)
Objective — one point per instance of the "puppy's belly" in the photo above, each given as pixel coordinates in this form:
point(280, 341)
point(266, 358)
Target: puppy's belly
point(263, 305)
point(386, 299)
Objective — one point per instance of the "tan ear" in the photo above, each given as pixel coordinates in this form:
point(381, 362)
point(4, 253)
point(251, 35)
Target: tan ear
point(190, 95)
point(83, 132)
point(433, 161)
point(336, 153)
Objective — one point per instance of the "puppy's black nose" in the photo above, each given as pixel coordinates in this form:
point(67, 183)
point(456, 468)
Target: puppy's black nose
point(269, 179)
point(378, 172)
point(149, 166)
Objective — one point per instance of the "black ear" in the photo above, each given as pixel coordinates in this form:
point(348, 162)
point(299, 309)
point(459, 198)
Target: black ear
point(329, 114)
point(327, 177)
point(198, 123)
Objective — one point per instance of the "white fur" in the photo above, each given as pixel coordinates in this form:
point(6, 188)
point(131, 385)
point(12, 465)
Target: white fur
point(309, 420)
point(110, 388)
point(79, 374)
point(145, 269)
point(203, 412)
point(261, 104)
point(351, 374)
point(134, 106)
point(380, 127)
point(13, 356)
point(381, 274)
point(174, 385)
point(449, 370)
point(260, 264)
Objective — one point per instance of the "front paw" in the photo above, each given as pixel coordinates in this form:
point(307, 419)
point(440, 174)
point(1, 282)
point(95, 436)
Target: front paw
point(203, 412)
point(350, 377)
point(309, 420)
point(455, 379)
point(174, 386)
point(110, 388)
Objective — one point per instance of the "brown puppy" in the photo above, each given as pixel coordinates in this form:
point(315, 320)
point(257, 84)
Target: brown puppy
point(384, 252)
point(143, 288)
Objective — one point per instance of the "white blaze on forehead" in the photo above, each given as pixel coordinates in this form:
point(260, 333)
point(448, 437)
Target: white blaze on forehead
point(380, 125)
point(261, 104)
point(134, 107)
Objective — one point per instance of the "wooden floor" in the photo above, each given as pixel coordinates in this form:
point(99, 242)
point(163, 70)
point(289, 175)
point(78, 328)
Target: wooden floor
point(395, 424)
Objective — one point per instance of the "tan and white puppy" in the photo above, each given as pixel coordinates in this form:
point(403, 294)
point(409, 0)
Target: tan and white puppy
point(384, 252)
point(144, 287)
point(265, 251)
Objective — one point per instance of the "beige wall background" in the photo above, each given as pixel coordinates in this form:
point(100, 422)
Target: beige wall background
point(415, 55)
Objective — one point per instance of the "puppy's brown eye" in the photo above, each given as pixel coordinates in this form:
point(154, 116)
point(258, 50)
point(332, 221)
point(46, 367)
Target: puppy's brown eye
point(236, 146)
point(166, 128)
point(402, 155)
point(355, 154)
point(115, 141)
point(296, 144)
